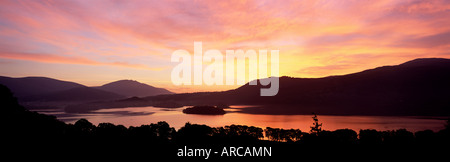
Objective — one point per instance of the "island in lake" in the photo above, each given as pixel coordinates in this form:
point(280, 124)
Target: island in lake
point(204, 110)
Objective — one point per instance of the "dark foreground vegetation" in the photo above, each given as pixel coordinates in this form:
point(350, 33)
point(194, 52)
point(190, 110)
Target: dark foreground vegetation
point(41, 135)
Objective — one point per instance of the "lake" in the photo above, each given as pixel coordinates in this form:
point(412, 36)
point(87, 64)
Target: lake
point(136, 116)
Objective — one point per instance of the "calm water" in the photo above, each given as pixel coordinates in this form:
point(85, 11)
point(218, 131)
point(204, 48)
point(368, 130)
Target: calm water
point(137, 116)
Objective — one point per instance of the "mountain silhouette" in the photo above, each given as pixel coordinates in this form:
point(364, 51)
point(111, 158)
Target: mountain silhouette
point(79, 94)
point(48, 93)
point(132, 88)
point(417, 87)
point(29, 86)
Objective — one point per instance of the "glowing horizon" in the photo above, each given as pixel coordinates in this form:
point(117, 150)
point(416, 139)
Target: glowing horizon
point(96, 42)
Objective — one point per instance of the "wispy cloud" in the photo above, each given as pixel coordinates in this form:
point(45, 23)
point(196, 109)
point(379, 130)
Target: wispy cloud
point(49, 58)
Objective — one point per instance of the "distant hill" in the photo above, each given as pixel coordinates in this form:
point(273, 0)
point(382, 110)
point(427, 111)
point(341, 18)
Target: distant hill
point(80, 94)
point(417, 87)
point(43, 92)
point(132, 88)
point(29, 86)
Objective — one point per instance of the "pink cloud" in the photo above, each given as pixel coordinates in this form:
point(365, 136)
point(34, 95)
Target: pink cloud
point(49, 58)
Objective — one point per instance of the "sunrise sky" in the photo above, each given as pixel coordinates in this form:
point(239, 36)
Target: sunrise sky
point(96, 42)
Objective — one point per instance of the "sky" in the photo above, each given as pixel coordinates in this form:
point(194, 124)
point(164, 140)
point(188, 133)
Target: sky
point(96, 42)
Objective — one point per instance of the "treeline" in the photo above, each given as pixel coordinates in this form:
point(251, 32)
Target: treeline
point(195, 133)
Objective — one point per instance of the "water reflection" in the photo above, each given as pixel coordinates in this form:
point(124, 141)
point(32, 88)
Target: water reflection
point(137, 116)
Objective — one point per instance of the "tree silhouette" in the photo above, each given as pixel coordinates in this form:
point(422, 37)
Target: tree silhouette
point(398, 137)
point(285, 135)
point(370, 137)
point(317, 127)
point(345, 136)
point(84, 125)
point(194, 133)
point(273, 134)
point(110, 130)
point(163, 130)
point(244, 131)
point(447, 125)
